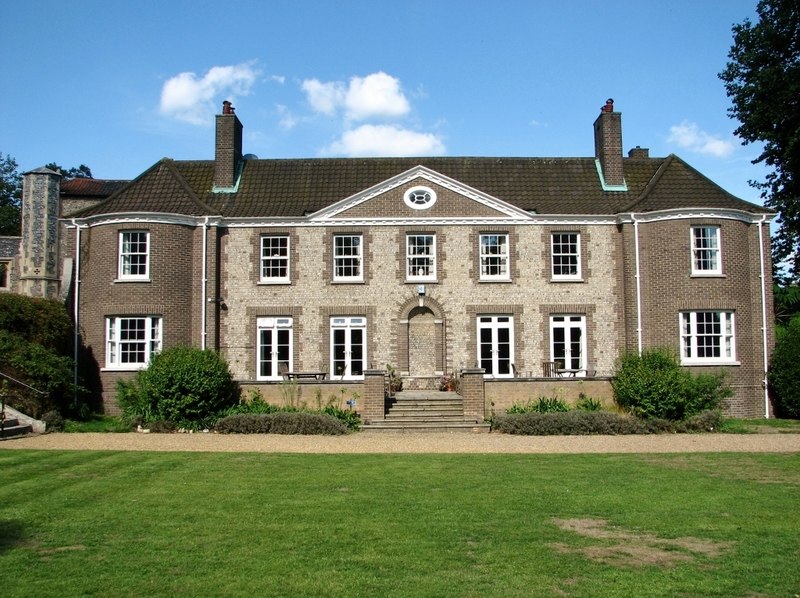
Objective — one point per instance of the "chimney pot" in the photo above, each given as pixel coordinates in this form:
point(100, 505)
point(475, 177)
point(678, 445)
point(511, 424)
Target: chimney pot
point(608, 145)
point(228, 148)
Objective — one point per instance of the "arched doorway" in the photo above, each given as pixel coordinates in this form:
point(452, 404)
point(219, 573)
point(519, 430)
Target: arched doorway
point(422, 345)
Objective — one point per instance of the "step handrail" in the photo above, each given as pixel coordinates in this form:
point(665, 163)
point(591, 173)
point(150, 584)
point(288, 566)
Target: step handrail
point(3, 398)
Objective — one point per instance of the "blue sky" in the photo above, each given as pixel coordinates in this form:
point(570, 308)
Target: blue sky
point(118, 85)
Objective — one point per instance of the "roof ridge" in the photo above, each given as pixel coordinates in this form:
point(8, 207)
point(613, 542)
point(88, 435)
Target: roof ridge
point(170, 164)
point(651, 184)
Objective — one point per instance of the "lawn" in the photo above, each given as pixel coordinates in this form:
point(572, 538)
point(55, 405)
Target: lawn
point(255, 524)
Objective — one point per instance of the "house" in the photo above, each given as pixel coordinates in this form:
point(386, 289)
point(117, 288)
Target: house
point(501, 268)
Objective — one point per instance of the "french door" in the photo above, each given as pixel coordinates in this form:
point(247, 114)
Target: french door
point(348, 347)
point(496, 345)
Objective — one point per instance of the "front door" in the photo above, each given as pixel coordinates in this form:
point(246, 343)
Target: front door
point(421, 342)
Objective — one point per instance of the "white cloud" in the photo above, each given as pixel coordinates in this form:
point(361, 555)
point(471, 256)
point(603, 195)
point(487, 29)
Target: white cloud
point(287, 119)
point(375, 96)
point(188, 98)
point(279, 79)
point(688, 135)
point(385, 140)
point(324, 97)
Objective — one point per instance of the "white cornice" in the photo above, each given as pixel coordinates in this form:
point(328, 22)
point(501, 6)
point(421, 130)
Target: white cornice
point(144, 218)
point(689, 213)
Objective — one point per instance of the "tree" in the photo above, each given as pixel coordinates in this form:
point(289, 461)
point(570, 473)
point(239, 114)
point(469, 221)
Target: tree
point(10, 196)
point(762, 79)
point(81, 172)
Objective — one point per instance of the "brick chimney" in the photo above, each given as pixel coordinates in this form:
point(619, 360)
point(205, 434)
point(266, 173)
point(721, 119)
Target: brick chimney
point(608, 145)
point(228, 148)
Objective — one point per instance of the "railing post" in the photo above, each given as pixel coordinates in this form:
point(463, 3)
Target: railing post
point(472, 392)
point(374, 399)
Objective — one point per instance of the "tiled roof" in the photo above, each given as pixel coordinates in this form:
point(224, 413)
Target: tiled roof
point(296, 187)
point(94, 188)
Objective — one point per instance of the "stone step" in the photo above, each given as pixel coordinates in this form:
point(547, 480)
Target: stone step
point(10, 430)
point(425, 417)
point(462, 426)
point(428, 407)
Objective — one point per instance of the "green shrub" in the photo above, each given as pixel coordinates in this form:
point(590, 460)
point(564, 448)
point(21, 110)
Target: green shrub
point(570, 423)
point(42, 322)
point(653, 385)
point(348, 417)
point(541, 405)
point(186, 386)
point(583, 423)
point(40, 368)
point(784, 372)
point(254, 403)
point(585, 403)
point(53, 421)
point(298, 422)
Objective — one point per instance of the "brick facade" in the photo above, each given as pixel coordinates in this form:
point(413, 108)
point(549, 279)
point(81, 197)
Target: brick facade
point(632, 220)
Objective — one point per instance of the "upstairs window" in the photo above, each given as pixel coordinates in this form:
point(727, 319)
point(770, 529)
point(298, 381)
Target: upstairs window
point(706, 251)
point(134, 254)
point(275, 259)
point(348, 258)
point(421, 257)
point(566, 256)
point(494, 260)
point(707, 337)
point(131, 341)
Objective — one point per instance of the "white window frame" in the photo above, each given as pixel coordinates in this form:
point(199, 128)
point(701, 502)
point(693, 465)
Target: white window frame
point(419, 197)
point(495, 361)
point(354, 259)
point(569, 323)
point(420, 257)
point(125, 255)
point(348, 326)
point(275, 261)
point(565, 254)
point(494, 256)
point(695, 341)
point(268, 355)
point(5, 275)
point(706, 252)
point(118, 348)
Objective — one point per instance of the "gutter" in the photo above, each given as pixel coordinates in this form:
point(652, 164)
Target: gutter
point(204, 290)
point(763, 313)
point(76, 308)
point(638, 284)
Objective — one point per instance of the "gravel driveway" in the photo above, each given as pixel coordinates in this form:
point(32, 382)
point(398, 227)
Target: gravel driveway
point(413, 442)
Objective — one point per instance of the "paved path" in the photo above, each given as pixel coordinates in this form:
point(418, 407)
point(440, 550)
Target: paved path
point(406, 442)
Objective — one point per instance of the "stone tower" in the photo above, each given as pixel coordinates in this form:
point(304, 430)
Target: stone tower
point(38, 259)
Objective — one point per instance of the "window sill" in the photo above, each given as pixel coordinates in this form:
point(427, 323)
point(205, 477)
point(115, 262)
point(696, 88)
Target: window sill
point(709, 362)
point(709, 275)
point(272, 283)
point(133, 368)
point(422, 281)
point(491, 280)
point(347, 282)
point(127, 280)
point(567, 280)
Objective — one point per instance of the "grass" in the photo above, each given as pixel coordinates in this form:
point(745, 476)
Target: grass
point(732, 425)
point(251, 524)
point(97, 423)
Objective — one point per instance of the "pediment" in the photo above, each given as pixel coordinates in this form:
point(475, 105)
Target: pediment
point(450, 201)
